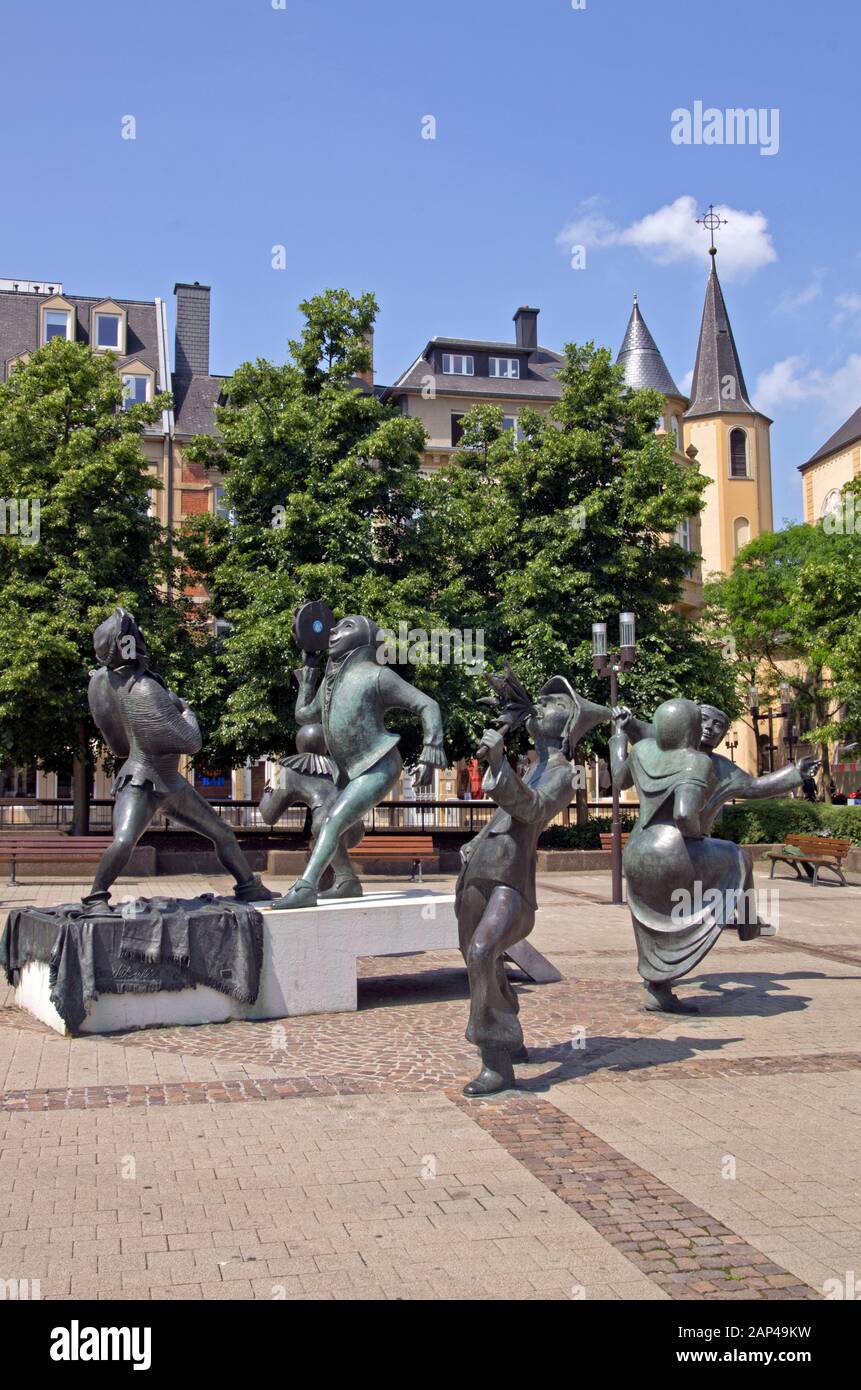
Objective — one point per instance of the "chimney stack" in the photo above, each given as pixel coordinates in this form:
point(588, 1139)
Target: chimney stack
point(367, 376)
point(526, 324)
point(192, 330)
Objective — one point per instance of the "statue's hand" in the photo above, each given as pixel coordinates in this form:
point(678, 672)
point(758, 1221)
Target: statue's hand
point(622, 716)
point(424, 775)
point(312, 659)
point(808, 767)
point(492, 749)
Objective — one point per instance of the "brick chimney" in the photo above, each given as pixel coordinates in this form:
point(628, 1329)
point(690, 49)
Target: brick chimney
point(368, 376)
point(526, 326)
point(191, 356)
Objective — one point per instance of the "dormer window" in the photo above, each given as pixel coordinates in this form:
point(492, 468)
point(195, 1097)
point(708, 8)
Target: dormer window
point(57, 324)
point(505, 366)
point(108, 327)
point(108, 331)
point(56, 320)
point(458, 364)
point(136, 389)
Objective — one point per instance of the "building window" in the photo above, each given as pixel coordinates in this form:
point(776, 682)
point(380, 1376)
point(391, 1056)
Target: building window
point(458, 364)
point(738, 454)
point(677, 431)
point(17, 782)
point(505, 366)
point(456, 429)
point(740, 533)
point(220, 506)
point(108, 330)
point(683, 535)
point(511, 422)
point(57, 324)
point(136, 390)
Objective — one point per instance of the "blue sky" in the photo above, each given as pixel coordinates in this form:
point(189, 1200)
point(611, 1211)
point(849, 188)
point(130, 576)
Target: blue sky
point(301, 126)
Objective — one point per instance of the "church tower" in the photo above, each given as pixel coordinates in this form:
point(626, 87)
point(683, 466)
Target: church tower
point(731, 439)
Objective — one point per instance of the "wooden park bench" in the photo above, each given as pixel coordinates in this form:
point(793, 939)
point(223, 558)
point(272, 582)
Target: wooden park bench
point(51, 849)
point(412, 849)
point(607, 839)
point(811, 853)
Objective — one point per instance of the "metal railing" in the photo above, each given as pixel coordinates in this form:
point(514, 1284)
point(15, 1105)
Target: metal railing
point(421, 816)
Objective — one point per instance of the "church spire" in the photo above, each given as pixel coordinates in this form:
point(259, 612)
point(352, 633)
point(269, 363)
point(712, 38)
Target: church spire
point(643, 363)
point(718, 385)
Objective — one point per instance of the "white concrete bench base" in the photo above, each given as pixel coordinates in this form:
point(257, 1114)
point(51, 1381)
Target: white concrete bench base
point(309, 965)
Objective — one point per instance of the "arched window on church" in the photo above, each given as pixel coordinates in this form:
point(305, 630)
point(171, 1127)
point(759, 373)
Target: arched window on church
point(738, 454)
point(740, 533)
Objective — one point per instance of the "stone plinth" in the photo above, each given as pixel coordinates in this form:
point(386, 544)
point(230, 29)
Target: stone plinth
point(309, 965)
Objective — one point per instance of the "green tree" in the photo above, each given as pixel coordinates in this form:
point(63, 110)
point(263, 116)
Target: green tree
point(73, 456)
point(323, 486)
point(574, 523)
point(790, 606)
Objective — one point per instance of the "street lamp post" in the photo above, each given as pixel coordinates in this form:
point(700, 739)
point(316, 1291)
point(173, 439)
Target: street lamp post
point(606, 663)
point(757, 715)
point(731, 742)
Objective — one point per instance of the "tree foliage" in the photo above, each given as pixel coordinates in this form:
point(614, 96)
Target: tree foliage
point(67, 445)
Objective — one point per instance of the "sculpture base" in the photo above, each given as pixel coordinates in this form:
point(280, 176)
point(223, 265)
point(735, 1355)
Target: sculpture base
point(309, 965)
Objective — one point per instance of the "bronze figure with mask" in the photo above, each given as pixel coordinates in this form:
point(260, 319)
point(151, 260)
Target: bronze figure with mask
point(351, 703)
point(495, 897)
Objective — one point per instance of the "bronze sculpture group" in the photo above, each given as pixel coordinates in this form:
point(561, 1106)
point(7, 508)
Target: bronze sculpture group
point(684, 884)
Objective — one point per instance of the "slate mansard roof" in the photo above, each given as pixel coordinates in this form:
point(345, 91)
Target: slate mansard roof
point(19, 325)
point(539, 366)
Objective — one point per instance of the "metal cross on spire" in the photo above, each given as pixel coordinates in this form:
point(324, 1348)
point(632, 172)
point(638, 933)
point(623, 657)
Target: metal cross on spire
point(711, 222)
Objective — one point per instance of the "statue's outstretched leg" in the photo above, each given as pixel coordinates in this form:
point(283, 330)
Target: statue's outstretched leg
point(187, 807)
point(487, 925)
point(351, 804)
point(133, 810)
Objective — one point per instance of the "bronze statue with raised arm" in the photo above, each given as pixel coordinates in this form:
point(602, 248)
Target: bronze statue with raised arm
point(351, 702)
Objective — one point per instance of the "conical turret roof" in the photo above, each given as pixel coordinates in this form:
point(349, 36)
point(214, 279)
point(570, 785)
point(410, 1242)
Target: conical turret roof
point(643, 363)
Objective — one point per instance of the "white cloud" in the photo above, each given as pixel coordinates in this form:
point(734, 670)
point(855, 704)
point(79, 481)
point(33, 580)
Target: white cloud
point(791, 382)
point(848, 309)
point(686, 382)
point(792, 300)
point(671, 234)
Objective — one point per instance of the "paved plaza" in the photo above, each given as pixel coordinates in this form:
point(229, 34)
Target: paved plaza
point(711, 1156)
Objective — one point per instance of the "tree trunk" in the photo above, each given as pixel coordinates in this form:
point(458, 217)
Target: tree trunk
point(81, 784)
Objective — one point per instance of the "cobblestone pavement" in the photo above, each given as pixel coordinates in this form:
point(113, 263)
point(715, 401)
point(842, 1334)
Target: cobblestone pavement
point(702, 1156)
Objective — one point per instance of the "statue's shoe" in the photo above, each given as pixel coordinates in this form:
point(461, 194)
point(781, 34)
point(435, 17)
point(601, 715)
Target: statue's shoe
point(344, 888)
point(302, 894)
point(255, 891)
point(497, 1073)
point(663, 1001)
point(97, 905)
